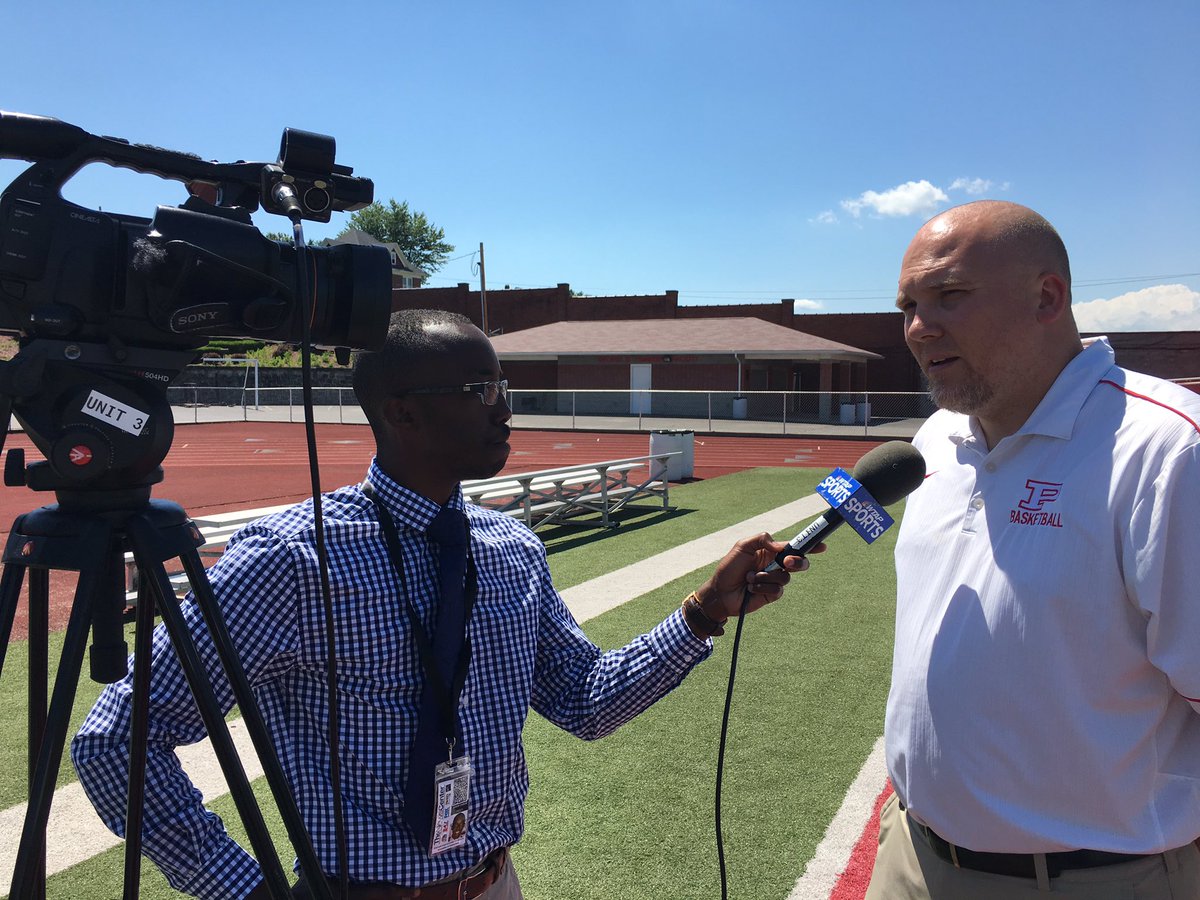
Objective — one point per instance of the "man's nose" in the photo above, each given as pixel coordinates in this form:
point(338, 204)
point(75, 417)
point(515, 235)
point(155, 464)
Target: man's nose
point(501, 411)
point(921, 326)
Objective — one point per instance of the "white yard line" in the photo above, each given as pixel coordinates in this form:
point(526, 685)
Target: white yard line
point(75, 833)
point(832, 855)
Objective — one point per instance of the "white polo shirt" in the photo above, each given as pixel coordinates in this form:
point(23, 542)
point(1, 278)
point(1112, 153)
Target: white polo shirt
point(1048, 623)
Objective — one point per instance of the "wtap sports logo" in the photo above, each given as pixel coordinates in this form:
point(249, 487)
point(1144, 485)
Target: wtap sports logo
point(1032, 509)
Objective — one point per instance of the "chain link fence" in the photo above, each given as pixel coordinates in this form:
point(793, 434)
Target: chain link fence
point(866, 414)
point(200, 403)
point(872, 414)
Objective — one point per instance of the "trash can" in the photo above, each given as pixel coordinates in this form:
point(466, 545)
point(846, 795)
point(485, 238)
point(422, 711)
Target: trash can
point(739, 407)
point(678, 467)
point(847, 417)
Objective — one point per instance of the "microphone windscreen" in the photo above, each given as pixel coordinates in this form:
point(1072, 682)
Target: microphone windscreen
point(891, 471)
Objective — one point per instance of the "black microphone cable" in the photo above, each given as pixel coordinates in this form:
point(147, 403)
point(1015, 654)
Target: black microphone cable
point(889, 473)
point(307, 307)
point(733, 657)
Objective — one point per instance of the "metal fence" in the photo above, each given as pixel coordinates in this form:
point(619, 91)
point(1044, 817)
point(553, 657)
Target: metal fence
point(873, 413)
point(865, 414)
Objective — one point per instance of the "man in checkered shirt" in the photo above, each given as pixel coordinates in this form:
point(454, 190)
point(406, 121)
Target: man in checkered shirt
point(437, 402)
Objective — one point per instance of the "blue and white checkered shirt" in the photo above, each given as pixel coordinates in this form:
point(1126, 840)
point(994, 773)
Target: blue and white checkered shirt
point(527, 651)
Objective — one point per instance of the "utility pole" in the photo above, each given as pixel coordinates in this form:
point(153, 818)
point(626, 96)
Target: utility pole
point(482, 290)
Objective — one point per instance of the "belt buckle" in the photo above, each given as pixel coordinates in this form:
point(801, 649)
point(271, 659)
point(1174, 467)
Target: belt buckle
point(460, 887)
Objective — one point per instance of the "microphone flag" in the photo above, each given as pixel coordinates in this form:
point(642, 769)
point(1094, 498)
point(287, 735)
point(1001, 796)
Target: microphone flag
point(855, 504)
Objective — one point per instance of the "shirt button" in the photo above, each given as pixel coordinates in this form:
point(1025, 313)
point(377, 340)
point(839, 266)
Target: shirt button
point(977, 503)
point(991, 467)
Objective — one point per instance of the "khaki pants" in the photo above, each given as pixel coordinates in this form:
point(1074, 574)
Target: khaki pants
point(507, 887)
point(907, 869)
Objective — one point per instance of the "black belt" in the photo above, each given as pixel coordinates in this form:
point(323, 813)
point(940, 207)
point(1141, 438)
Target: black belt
point(1017, 865)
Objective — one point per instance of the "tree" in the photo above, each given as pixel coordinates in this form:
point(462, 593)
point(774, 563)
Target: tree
point(422, 242)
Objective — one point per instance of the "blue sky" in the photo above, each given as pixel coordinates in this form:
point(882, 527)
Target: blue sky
point(731, 151)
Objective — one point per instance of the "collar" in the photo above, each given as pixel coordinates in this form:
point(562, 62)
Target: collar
point(1059, 410)
point(408, 508)
point(1055, 416)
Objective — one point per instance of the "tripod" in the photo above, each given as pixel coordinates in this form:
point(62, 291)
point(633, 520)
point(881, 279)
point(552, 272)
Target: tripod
point(89, 532)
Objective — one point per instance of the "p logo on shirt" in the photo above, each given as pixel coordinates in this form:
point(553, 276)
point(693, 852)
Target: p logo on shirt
point(1040, 493)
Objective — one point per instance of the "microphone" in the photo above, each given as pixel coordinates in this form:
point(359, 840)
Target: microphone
point(889, 473)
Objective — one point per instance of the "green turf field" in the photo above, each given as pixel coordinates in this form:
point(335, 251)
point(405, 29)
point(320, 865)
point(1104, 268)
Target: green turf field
point(632, 815)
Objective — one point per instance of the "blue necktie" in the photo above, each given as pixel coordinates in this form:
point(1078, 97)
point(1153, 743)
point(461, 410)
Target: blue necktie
point(448, 531)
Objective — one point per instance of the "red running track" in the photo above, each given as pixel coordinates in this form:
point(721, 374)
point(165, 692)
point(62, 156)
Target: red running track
point(227, 466)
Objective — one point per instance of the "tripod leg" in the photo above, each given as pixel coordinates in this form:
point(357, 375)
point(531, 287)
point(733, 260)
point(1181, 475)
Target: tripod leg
point(138, 731)
point(37, 643)
point(257, 728)
point(142, 538)
point(10, 596)
point(39, 676)
point(29, 871)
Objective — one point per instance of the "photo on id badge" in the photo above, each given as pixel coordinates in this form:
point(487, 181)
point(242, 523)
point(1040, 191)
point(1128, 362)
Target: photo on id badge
point(451, 815)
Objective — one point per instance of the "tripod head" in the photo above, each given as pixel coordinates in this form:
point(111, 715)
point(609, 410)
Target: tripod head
point(101, 424)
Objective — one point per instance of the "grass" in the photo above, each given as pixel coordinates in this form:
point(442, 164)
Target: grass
point(576, 555)
point(702, 508)
point(632, 815)
point(14, 707)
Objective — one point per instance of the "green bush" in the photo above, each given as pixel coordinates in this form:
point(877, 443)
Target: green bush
point(268, 355)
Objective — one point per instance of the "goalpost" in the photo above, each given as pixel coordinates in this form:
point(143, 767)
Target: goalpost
point(250, 363)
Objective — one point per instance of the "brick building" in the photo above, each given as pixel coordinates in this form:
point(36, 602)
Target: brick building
point(627, 358)
point(887, 367)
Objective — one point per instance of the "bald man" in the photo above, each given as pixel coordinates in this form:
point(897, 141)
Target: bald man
point(1043, 724)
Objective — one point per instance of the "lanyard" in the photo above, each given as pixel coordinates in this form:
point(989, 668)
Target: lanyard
point(447, 696)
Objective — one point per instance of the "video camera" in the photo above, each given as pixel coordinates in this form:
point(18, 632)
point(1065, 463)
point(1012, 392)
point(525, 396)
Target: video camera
point(110, 308)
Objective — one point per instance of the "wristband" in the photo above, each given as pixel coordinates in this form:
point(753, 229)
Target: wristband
point(698, 620)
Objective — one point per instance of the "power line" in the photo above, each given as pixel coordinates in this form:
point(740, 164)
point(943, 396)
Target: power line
point(1133, 278)
point(836, 295)
point(868, 294)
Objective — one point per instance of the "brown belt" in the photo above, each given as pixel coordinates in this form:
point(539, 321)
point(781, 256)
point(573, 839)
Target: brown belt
point(468, 886)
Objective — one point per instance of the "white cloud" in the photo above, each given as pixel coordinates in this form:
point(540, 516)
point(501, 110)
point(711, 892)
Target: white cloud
point(904, 200)
point(910, 198)
point(808, 304)
point(1164, 307)
point(973, 186)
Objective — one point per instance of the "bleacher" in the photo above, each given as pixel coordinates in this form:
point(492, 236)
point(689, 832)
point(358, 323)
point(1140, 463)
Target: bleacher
point(588, 495)
point(552, 496)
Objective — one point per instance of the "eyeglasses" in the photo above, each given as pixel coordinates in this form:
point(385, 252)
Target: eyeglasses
point(489, 391)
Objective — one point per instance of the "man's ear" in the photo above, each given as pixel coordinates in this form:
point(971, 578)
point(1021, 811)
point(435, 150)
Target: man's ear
point(400, 413)
point(1054, 298)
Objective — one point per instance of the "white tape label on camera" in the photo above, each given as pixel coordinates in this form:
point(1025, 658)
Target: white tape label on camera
point(115, 413)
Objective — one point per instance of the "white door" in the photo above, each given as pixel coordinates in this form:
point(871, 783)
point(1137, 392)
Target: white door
point(639, 388)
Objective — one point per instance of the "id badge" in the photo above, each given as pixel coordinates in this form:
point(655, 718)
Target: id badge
point(451, 801)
